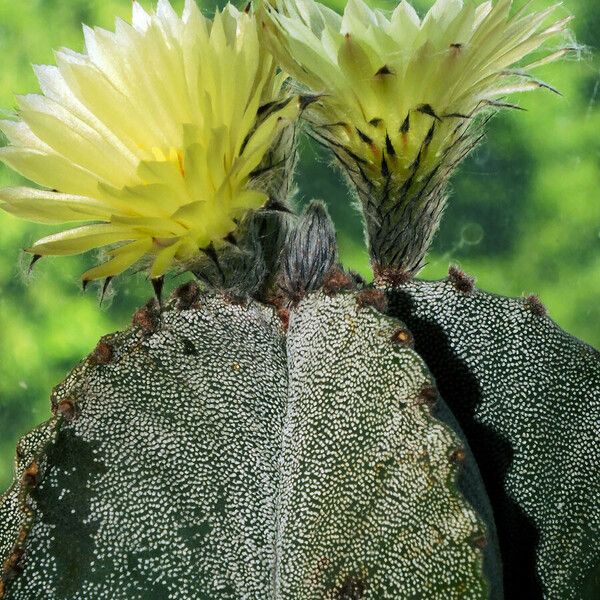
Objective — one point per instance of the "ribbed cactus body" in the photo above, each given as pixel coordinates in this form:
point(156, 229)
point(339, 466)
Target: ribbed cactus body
point(162, 480)
point(207, 453)
point(528, 397)
point(369, 505)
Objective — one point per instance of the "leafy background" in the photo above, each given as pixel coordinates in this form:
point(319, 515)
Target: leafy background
point(524, 214)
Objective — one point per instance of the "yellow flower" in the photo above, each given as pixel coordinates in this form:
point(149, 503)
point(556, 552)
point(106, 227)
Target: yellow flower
point(151, 137)
point(400, 96)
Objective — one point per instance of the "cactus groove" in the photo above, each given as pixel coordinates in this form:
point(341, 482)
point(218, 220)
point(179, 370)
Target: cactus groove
point(207, 455)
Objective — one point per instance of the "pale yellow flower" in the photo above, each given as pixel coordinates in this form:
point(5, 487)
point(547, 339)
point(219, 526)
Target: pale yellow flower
point(400, 96)
point(151, 137)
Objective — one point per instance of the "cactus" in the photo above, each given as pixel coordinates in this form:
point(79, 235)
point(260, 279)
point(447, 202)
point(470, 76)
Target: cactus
point(280, 432)
point(206, 453)
point(527, 395)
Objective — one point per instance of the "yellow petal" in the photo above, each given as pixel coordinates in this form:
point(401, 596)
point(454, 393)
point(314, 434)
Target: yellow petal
point(164, 259)
point(42, 206)
point(82, 239)
point(123, 258)
point(49, 170)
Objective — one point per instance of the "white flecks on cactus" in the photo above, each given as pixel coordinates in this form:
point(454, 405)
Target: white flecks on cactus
point(164, 484)
point(400, 97)
point(369, 506)
point(203, 455)
point(151, 137)
point(527, 396)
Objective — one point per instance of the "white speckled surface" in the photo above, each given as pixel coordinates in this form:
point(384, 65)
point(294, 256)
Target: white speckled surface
point(527, 395)
point(214, 458)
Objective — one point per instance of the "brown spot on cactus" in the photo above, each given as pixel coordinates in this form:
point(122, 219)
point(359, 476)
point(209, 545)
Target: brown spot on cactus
point(460, 280)
point(284, 317)
point(336, 281)
point(236, 299)
point(12, 564)
point(372, 297)
point(428, 396)
point(30, 475)
point(103, 354)
point(358, 279)
point(479, 541)
point(67, 409)
point(2, 588)
point(187, 295)
point(403, 337)
point(458, 456)
point(147, 317)
point(535, 305)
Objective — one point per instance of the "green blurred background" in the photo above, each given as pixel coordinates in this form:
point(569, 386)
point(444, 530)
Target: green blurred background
point(524, 214)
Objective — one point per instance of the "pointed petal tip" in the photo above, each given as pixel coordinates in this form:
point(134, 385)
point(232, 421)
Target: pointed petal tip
point(105, 288)
point(34, 260)
point(157, 285)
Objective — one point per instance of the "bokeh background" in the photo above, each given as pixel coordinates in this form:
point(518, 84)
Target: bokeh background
point(524, 214)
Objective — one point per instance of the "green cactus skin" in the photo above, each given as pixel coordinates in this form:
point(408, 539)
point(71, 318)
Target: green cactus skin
point(369, 506)
point(164, 484)
point(16, 515)
point(527, 395)
point(176, 467)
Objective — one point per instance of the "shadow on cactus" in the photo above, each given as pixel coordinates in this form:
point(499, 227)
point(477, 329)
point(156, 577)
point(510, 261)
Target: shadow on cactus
point(280, 428)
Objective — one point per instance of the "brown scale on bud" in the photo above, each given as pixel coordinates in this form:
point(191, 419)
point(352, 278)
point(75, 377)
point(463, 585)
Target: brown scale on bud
point(103, 353)
point(390, 277)
point(187, 295)
point(336, 281)
point(535, 306)
point(30, 476)
point(147, 317)
point(460, 280)
point(374, 298)
point(403, 337)
point(428, 110)
point(428, 396)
